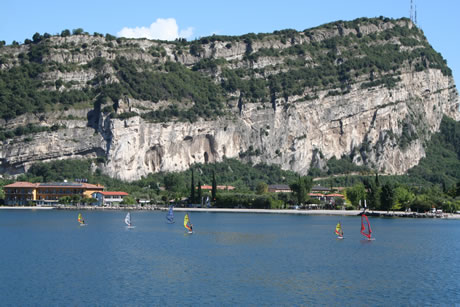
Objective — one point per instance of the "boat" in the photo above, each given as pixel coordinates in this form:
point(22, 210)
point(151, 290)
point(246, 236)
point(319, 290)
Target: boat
point(339, 231)
point(128, 220)
point(187, 224)
point(170, 215)
point(81, 220)
point(366, 229)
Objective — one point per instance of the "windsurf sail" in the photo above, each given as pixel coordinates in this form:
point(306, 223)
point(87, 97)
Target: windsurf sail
point(170, 215)
point(187, 223)
point(365, 227)
point(339, 230)
point(128, 219)
point(80, 219)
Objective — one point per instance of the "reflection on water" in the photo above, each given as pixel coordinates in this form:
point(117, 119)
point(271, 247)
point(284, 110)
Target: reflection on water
point(231, 259)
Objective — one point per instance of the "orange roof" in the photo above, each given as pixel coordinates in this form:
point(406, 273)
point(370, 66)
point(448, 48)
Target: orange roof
point(112, 193)
point(93, 186)
point(21, 184)
point(315, 194)
point(206, 187)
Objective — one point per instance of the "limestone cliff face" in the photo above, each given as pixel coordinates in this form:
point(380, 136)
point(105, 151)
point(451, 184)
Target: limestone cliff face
point(379, 126)
point(333, 126)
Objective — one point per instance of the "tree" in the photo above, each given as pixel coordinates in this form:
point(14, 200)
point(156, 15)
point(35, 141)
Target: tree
point(174, 182)
point(65, 33)
point(301, 188)
point(261, 188)
point(192, 190)
point(78, 31)
point(214, 186)
point(403, 198)
point(75, 199)
point(387, 197)
point(355, 194)
point(200, 195)
point(128, 200)
point(373, 194)
point(37, 37)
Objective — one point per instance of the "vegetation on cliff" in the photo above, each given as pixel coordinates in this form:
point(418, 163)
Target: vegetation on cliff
point(331, 57)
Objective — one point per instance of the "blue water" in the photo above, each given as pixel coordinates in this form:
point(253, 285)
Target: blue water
point(231, 259)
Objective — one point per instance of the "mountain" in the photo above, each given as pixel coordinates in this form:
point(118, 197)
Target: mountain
point(371, 91)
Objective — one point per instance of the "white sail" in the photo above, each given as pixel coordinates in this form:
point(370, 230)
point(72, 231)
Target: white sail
point(128, 219)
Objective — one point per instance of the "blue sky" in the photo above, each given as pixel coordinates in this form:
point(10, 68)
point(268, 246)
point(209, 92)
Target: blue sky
point(192, 19)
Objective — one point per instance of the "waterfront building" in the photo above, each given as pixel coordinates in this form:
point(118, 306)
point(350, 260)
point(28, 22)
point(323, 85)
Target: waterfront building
point(27, 193)
point(112, 198)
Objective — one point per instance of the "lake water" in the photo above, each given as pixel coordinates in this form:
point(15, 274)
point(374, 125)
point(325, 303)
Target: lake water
point(232, 259)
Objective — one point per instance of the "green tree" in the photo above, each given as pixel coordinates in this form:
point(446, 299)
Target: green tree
point(403, 198)
point(128, 200)
point(65, 33)
point(261, 188)
point(387, 197)
point(301, 188)
point(75, 199)
point(214, 186)
point(355, 194)
point(174, 182)
point(200, 194)
point(65, 200)
point(373, 193)
point(192, 189)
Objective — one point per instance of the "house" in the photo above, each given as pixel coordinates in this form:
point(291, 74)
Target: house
point(109, 199)
point(318, 196)
point(219, 187)
point(279, 188)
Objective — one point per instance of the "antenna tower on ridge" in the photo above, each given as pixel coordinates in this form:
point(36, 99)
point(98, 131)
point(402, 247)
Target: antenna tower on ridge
point(413, 12)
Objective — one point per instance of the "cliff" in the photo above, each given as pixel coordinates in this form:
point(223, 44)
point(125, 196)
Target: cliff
point(372, 89)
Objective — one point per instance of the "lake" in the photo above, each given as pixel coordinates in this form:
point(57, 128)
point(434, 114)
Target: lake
point(232, 259)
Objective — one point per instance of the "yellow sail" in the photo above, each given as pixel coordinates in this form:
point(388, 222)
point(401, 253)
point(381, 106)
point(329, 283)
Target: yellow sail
point(338, 229)
point(186, 222)
point(80, 219)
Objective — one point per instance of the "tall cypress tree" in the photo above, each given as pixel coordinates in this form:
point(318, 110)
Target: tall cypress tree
point(192, 188)
point(214, 186)
point(199, 192)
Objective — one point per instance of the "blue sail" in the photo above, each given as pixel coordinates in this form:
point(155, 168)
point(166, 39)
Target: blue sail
point(170, 215)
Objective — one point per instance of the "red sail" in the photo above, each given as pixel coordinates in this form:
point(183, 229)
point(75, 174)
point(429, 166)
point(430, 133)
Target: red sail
point(365, 226)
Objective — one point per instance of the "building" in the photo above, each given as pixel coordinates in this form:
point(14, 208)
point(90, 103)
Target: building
point(24, 193)
point(219, 187)
point(279, 188)
point(109, 199)
point(20, 193)
point(320, 189)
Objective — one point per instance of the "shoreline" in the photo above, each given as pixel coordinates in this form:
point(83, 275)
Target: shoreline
point(260, 211)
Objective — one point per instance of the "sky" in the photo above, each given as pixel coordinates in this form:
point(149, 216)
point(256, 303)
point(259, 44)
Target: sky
point(193, 19)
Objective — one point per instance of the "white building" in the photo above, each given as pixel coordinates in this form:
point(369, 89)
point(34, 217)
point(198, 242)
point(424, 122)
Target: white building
point(109, 198)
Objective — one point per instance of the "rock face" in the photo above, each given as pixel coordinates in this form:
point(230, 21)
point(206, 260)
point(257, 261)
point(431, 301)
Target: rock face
point(384, 128)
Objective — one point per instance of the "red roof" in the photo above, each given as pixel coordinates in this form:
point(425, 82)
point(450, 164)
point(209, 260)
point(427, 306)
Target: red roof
point(316, 194)
point(206, 187)
point(112, 193)
point(21, 184)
